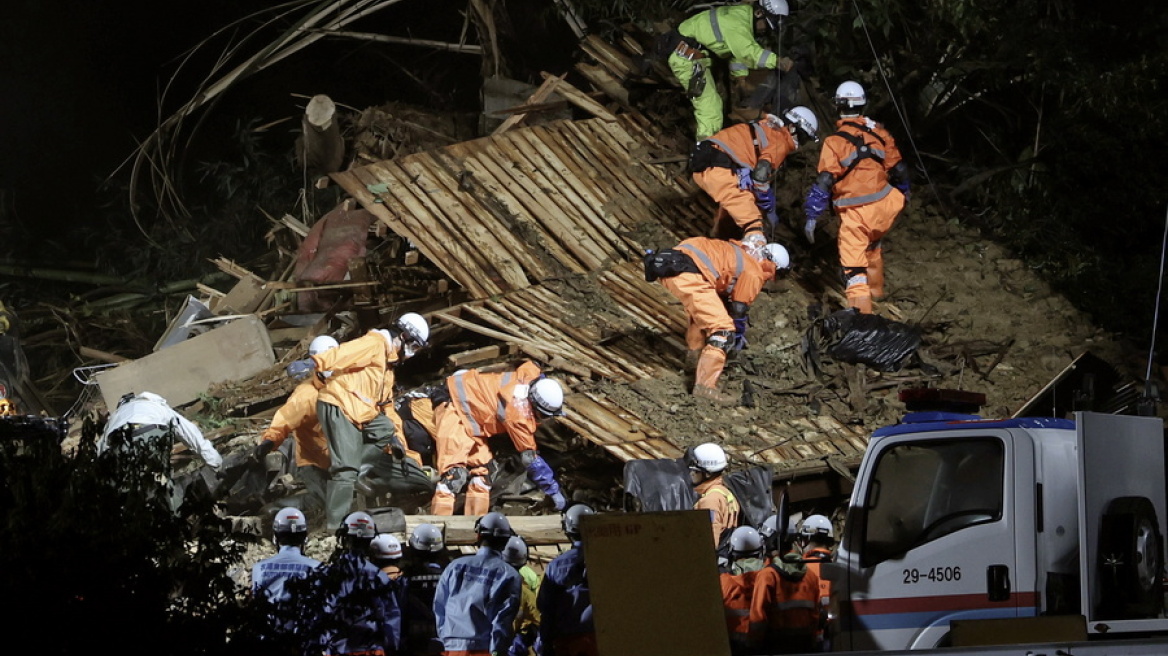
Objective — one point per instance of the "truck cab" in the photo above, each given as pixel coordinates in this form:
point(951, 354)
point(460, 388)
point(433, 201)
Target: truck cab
point(954, 517)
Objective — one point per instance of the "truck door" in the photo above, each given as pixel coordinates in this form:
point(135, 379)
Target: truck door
point(930, 538)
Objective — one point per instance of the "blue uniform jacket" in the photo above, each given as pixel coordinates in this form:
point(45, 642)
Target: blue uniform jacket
point(361, 612)
point(476, 603)
point(268, 576)
point(564, 601)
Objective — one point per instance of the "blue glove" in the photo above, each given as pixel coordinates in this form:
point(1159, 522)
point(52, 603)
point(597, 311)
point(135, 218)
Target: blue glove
point(809, 231)
point(541, 474)
point(744, 179)
point(740, 325)
point(301, 368)
point(765, 200)
point(905, 188)
point(816, 203)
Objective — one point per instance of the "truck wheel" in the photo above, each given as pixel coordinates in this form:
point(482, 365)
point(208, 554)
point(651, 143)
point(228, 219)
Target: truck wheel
point(1130, 560)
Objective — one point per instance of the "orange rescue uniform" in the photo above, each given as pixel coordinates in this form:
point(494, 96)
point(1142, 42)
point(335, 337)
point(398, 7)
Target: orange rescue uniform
point(737, 596)
point(866, 202)
point(714, 496)
point(298, 417)
point(481, 405)
point(362, 378)
point(785, 610)
point(727, 273)
point(744, 145)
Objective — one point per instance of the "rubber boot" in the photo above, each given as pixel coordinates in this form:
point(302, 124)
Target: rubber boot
point(443, 501)
point(711, 394)
point(478, 497)
point(710, 364)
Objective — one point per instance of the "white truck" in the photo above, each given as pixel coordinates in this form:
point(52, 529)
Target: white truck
point(955, 518)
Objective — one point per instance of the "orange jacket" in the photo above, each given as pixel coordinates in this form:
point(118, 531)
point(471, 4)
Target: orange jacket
point(735, 275)
point(737, 596)
point(785, 607)
point(361, 384)
point(749, 143)
point(715, 497)
point(823, 556)
point(487, 403)
point(868, 181)
point(298, 416)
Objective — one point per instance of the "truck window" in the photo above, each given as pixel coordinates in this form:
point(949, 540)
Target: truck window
point(926, 490)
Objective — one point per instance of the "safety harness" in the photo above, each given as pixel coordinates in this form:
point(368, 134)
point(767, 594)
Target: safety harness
point(863, 150)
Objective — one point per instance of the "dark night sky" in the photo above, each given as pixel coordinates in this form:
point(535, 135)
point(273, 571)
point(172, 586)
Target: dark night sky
point(80, 82)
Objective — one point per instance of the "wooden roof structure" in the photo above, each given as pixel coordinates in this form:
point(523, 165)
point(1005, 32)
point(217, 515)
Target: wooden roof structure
point(509, 215)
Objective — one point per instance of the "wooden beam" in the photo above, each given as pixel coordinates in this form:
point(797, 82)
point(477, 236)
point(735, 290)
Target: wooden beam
point(579, 98)
point(541, 94)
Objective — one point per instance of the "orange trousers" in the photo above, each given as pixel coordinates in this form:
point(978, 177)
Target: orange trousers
point(455, 446)
point(722, 185)
point(707, 314)
point(860, 232)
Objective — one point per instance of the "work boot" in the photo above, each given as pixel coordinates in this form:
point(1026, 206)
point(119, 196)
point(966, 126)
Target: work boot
point(711, 394)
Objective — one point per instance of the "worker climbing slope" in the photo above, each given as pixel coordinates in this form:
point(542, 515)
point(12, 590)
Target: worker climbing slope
point(859, 166)
point(728, 32)
point(737, 168)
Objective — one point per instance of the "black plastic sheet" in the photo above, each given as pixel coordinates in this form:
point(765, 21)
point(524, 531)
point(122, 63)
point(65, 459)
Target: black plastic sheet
point(849, 336)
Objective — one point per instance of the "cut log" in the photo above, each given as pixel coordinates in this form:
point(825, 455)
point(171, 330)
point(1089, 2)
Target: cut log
point(320, 149)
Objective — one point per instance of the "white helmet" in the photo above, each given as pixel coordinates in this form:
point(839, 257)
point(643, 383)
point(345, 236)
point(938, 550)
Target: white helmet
point(359, 525)
point(415, 332)
point(770, 526)
point(320, 344)
point(386, 546)
point(774, 11)
point(745, 540)
point(850, 94)
point(548, 397)
point(816, 525)
point(494, 524)
point(778, 254)
point(571, 521)
point(289, 520)
point(515, 553)
point(708, 457)
point(805, 122)
point(427, 537)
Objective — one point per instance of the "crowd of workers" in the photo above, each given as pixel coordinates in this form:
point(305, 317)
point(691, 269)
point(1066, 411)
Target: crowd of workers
point(352, 435)
point(378, 596)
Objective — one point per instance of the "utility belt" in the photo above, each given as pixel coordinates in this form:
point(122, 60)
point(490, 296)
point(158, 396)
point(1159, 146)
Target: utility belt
point(673, 43)
point(667, 263)
point(687, 52)
point(138, 430)
point(706, 155)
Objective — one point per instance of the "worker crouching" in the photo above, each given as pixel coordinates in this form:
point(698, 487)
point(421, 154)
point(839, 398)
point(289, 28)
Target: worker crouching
point(716, 281)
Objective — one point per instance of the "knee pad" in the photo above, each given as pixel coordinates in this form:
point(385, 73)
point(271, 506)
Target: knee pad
point(852, 274)
point(721, 340)
point(455, 479)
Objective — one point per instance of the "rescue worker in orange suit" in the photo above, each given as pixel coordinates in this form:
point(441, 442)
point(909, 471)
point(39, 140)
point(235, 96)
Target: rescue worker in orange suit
point(737, 168)
point(716, 281)
point(355, 405)
point(785, 609)
point(728, 32)
point(297, 417)
point(746, 560)
point(859, 167)
point(706, 462)
point(816, 538)
point(483, 404)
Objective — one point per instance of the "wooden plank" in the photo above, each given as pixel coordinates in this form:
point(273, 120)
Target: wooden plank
point(462, 220)
point(579, 98)
point(551, 217)
point(513, 187)
point(541, 94)
point(552, 335)
point(561, 189)
point(459, 529)
point(405, 219)
point(537, 307)
point(179, 373)
point(559, 224)
point(619, 63)
point(601, 186)
point(474, 356)
point(498, 220)
point(547, 343)
point(532, 347)
point(605, 81)
point(444, 240)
